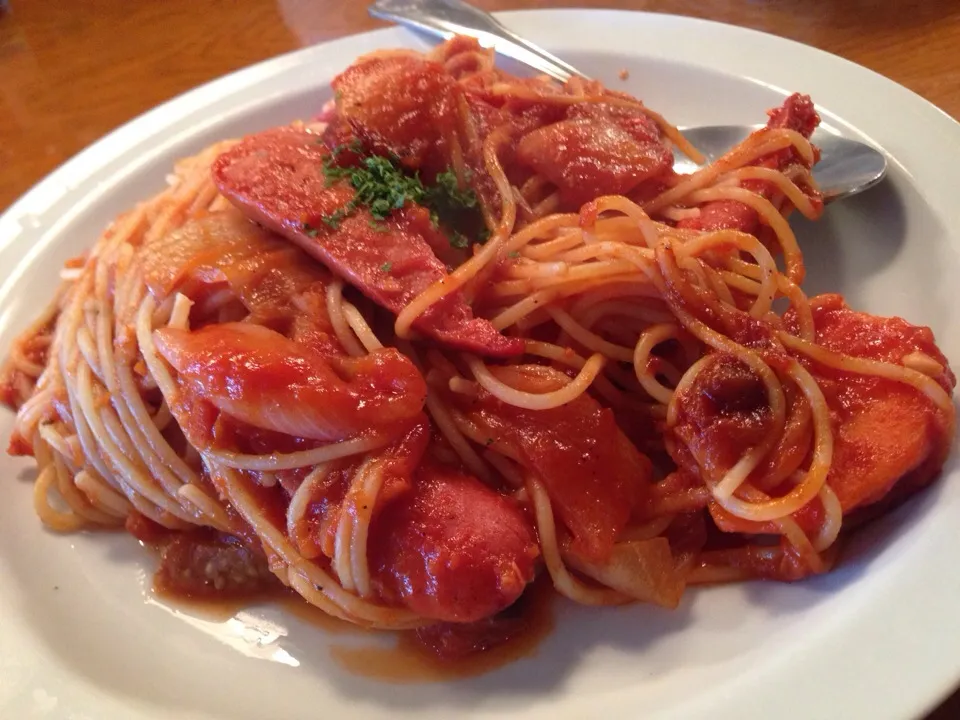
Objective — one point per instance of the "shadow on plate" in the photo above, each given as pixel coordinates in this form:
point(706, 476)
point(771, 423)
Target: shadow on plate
point(855, 239)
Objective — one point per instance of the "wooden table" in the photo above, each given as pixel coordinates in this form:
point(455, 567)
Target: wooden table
point(72, 71)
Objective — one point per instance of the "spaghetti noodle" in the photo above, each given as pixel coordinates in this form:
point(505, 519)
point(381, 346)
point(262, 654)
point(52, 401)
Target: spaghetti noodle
point(196, 370)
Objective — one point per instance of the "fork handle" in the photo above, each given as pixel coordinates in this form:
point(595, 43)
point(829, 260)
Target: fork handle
point(446, 18)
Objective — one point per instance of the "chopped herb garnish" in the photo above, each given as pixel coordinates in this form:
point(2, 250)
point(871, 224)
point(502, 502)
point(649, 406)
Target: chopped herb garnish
point(386, 267)
point(333, 220)
point(309, 230)
point(383, 187)
point(330, 169)
point(459, 240)
point(447, 192)
point(454, 206)
point(333, 173)
point(490, 442)
point(513, 254)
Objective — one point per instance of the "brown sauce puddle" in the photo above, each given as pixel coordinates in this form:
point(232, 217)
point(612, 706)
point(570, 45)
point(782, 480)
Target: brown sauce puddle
point(406, 660)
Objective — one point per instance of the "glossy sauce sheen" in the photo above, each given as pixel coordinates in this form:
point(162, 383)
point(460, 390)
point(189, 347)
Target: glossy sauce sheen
point(889, 434)
point(217, 575)
point(262, 378)
point(590, 157)
point(220, 608)
point(276, 177)
point(595, 477)
point(406, 659)
point(56, 110)
point(450, 549)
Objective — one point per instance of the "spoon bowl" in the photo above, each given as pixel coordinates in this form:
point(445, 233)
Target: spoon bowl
point(846, 167)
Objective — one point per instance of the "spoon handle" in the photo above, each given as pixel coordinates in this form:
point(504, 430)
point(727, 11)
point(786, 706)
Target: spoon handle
point(446, 18)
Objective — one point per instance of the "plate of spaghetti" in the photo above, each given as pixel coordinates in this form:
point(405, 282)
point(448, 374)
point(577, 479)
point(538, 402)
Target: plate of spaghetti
point(460, 401)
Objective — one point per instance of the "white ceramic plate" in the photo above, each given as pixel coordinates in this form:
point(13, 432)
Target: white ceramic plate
point(81, 638)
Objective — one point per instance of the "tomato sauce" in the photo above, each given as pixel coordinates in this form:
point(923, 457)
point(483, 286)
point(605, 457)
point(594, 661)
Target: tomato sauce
point(215, 576)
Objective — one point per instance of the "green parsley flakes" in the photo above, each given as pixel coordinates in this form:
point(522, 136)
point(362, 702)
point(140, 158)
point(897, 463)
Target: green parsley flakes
point(382, 187)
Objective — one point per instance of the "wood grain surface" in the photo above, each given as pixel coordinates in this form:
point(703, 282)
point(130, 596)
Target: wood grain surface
point(72, 70)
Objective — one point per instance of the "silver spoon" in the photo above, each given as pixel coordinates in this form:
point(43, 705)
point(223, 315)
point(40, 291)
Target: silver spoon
point(846, 167)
